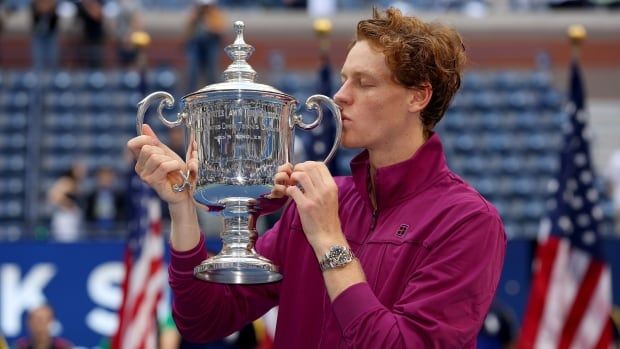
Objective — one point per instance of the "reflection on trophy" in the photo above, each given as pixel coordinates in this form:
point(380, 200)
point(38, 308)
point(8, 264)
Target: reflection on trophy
point(242, 131)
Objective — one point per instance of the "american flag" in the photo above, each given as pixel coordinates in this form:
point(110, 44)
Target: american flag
point(145, 276)
point(570, 300)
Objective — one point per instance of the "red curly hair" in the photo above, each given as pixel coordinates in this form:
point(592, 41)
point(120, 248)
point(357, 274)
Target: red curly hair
point(418, 54)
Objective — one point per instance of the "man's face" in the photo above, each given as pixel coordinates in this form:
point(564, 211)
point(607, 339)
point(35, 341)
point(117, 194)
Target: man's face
point(375, 110)
point(39, 322)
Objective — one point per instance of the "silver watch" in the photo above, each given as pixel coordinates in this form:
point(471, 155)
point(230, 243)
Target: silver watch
point(337, 257)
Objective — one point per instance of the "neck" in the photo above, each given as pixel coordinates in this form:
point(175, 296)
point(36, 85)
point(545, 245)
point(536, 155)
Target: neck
point(394, 152)
point(379, 159)
point(42, 343)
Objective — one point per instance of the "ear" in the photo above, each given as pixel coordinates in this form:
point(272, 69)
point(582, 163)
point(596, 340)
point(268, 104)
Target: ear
point(419, 97)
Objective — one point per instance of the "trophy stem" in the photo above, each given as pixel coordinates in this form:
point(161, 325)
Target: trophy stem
point(239, 233)
point(238, 262)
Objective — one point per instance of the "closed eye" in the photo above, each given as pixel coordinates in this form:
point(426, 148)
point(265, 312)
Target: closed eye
point(366, 83)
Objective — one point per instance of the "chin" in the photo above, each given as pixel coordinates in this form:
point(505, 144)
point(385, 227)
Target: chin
point(347, 143)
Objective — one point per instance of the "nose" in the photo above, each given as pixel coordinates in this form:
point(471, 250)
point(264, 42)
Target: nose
point(342, 96)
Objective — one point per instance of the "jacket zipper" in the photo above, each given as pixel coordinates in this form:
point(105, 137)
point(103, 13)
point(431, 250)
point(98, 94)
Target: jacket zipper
point(373, 225)
point(373, 222)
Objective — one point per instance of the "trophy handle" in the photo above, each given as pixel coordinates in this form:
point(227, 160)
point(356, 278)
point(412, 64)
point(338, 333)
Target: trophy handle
point(314, 103)
point(165, 100)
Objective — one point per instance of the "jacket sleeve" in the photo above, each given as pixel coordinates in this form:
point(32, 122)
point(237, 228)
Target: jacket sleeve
point(205, 311)
point(444, 302)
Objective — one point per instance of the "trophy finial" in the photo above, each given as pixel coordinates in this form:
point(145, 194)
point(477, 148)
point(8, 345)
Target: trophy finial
point(239, 52)
point(239, 26)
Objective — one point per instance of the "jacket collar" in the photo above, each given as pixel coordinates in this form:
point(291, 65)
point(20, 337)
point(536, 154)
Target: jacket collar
point(396, 182)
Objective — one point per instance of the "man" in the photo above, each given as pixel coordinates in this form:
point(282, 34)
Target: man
point(422, 251)
point(105, 204)
point(44, 42)
point(40, 320)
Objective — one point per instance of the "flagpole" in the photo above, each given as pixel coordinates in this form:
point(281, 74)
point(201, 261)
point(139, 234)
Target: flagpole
point(322, 29)
point(141, 41)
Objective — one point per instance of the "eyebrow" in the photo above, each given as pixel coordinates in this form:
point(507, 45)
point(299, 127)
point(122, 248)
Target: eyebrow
point(357, 74)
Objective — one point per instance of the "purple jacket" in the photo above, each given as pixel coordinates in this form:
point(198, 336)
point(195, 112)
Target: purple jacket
point(432, 254)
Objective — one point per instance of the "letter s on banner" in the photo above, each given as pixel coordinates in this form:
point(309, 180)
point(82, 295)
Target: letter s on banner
point(104, 288)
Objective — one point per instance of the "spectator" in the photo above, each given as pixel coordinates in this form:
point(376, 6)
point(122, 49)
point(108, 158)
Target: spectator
point(64, 196)
point(40, 323)
point(2, 11)
point(105, 204)
point(44, 35)
point(90, 13)
point(204, 32)
point(127, 22)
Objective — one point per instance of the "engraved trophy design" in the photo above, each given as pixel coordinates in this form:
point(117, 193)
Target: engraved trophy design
point(242, 131)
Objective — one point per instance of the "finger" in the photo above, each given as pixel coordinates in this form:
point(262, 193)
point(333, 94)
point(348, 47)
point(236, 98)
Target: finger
point(298, 196)
point(135, 144)
point(310, 168)
point(145, 153)
point(166, 170)
point(147, 130)
point(322, 172)
point(282, 178)
point(278, 191)
point(288, 168)
point(153, 163)
point(319, 173)
point(192, 149)
point(192, 164)
point(303, 179)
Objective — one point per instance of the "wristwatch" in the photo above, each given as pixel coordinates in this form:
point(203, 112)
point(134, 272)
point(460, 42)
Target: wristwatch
point(337, 257)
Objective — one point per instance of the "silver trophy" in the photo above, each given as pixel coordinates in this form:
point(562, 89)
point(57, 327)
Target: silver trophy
point(242, 131)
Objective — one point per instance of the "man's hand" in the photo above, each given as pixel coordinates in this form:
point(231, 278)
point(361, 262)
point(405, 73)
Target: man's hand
point(159, 166)
point(316, 194)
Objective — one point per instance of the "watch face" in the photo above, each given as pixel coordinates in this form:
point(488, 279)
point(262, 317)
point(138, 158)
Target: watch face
point(338, 255)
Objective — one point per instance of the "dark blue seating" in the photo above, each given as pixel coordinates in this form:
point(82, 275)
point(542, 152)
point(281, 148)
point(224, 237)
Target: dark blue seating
point(502, 133)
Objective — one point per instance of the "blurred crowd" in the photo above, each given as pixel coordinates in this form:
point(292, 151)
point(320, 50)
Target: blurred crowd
point(88, 25)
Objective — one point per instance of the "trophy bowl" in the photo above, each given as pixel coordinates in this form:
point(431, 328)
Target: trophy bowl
point(242, 131)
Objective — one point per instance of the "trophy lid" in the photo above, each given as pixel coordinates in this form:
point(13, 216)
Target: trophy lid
point(239, 75)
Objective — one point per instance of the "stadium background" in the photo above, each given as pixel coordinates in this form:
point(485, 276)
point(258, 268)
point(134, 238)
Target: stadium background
point(502, 133)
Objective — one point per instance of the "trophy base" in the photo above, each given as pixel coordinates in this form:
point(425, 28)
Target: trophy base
point(237, 270)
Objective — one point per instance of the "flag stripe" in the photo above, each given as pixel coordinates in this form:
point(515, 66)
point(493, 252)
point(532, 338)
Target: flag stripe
point(560, 294)
point(580, 304)
point(605, 340)
point(594, 321)
point(140, 328)
point(545, 257)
